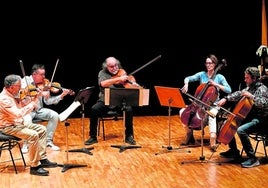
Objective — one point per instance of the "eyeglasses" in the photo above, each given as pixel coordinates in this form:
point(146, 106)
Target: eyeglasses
point(42, 74)
point(112, 66)
point(209, 63)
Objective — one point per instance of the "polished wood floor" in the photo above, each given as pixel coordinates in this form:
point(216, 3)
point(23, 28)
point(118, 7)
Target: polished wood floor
point(147, 166)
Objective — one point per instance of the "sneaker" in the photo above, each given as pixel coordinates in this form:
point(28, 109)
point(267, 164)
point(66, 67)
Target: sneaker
point(130, 140)
point(251, 162)
point(24, 148)
point(52, 146)
point(91, 140)
point(230, 154)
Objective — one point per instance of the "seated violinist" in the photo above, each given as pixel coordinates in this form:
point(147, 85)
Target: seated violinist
point(13, 116)
point(111, 76)
point(38, 80)
point(256, 120)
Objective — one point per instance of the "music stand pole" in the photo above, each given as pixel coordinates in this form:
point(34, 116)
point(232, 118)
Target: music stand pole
point(84, 149)
point(83, 97)
point(169, 147)
point(67, 166)
point(171, 97)
point(124, 146)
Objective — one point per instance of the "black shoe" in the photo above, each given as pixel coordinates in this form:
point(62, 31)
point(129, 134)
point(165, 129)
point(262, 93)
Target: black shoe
point(130, 140)
point(91, 140)
point(251, 162)
point(39, 171)
point(45, 163)
point(231, 154)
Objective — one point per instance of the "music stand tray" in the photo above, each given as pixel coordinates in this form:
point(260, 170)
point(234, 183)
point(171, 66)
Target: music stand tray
point(170, 97)
point(124, 97)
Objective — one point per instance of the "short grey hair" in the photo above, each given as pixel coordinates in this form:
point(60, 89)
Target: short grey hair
point(11, 80)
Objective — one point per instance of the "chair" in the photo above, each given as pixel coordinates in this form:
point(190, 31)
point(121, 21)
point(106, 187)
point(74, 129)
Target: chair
point(8, 142)
point(259, 137)
point(112, 114)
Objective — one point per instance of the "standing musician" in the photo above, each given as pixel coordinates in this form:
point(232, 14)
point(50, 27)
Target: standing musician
point(220, 83)
point(256, 120)
point(37, 79)
point(111, 76)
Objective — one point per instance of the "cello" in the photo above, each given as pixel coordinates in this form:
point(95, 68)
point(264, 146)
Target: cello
point(232, 122)
point(193, 114)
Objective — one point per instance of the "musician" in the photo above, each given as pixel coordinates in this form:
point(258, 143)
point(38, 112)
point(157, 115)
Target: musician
point(220, 83)
point(37, 79)
point(110, 77)
point(13, 114)
point(255, 121)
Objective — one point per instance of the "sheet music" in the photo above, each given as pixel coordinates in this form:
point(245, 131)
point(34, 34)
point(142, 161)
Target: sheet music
point(66, 113)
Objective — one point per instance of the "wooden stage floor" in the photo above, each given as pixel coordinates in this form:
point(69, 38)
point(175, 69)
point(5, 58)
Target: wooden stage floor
point(147, 166)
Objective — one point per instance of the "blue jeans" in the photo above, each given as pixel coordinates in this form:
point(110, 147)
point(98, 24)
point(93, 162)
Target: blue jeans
point(48, 115)
point(243, 132)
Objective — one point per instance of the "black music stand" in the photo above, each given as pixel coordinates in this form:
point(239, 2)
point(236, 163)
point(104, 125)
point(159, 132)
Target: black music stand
point(82, 96)
point(170, 97)
point(123, 97)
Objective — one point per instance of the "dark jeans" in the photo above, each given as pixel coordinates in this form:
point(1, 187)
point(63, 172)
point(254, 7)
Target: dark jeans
point(99, 109)
point(243, 131)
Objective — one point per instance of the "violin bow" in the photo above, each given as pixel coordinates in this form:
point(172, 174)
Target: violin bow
point(23, 73)
point(153, 60)
point(193, 99)
point(52, 77)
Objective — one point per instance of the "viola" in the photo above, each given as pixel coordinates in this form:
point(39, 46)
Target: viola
point(193, 115)
point(130, 82)
point(54, 87)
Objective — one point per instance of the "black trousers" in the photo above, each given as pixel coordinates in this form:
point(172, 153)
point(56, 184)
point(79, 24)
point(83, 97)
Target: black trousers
point(99, 109)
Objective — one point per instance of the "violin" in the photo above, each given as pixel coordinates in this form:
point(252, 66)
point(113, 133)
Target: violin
point(30, 90)
point(130, 82)
point(54, 87)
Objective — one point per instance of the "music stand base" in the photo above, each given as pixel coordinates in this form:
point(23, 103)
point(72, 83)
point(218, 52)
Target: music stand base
point(83, 150)
point(124, 147)
point(170, 148)
point(66, 167)
point(202, 159)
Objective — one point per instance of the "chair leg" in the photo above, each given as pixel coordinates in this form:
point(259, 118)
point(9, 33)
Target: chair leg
point(22, 156)
point(11, 145)
point(103, 131)
point(256, 147)
point(264, 148)
point(99, 121)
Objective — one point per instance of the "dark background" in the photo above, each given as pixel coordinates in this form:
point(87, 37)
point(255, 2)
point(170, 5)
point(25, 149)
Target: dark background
point(83, 35)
